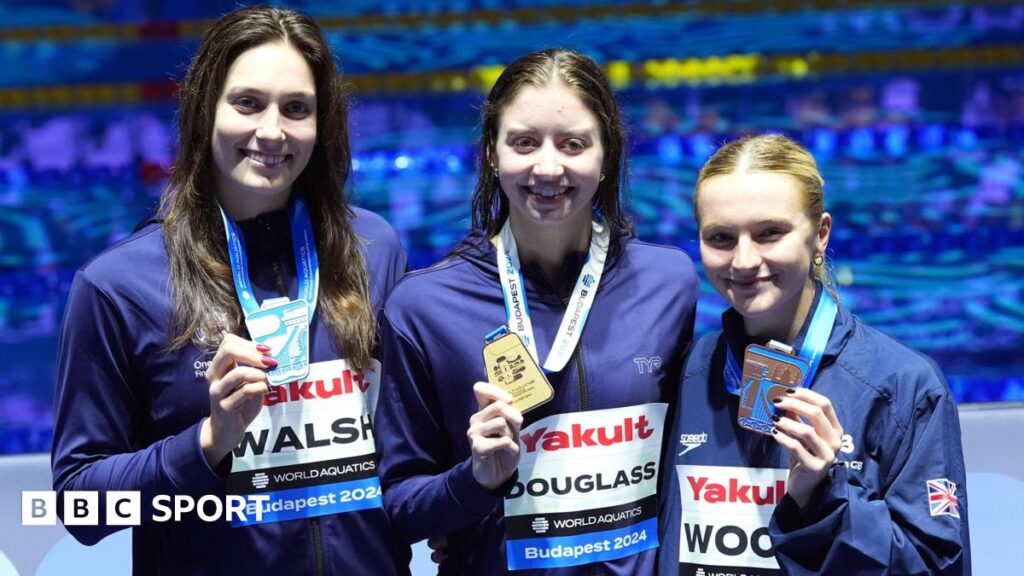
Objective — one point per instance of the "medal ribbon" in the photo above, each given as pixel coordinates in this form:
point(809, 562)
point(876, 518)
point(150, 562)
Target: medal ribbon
point(812, 350)
point(518, 311)
point(304, 247)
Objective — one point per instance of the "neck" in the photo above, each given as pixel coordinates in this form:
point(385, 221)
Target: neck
point(245, 206)
point(784, 324)
point(547, 246)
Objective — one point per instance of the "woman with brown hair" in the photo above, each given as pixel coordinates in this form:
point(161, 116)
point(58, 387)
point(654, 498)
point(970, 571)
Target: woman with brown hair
point(227, 349)
point(603, 314)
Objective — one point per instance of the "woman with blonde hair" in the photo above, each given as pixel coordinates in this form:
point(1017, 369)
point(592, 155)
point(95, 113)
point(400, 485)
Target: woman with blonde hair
point(805, 442)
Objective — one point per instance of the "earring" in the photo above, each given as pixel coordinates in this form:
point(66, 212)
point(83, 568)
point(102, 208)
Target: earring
point(495, 170)
point(601, 179)
point(819, 260)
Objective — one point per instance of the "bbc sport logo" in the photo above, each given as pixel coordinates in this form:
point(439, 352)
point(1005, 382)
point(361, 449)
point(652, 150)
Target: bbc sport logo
point(124, 508)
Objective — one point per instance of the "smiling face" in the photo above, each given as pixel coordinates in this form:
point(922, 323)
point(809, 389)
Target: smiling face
point(549, 155)
point(757, 245)
point(264, 130)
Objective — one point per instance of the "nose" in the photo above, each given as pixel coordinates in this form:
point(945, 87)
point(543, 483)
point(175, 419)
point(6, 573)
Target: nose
point(746, 255)
point(549, 164)
point(270, 127)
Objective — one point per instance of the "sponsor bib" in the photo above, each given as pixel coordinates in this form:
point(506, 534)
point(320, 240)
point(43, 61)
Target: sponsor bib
point(587, 488)
point(311, 448)
point(724, 519)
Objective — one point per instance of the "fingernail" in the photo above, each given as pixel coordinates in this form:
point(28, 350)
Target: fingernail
point(774, 431)
point(775, 418)
point(269, 362)
point(262, 348)
point(777, 399)
point(790, 390)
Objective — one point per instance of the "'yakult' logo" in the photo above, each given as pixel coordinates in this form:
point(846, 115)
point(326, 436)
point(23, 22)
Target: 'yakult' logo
point(735, 492)
point(632, 428)
point(313, 389)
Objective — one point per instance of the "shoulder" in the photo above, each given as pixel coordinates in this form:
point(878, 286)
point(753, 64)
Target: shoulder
point(419, 288)
point(895, 371)
point(640, 252)
point(374, 229)
point(138, 259)
point(667, 269)
point(699, 352)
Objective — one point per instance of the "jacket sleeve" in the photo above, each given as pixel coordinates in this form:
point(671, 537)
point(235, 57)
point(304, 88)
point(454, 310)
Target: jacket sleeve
point(426, 493)
point(849, 530)
point(100, 417)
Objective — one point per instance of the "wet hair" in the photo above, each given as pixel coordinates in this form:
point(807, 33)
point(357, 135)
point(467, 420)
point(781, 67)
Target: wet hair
point(585, 78)
point(777, 154)
point(204, 295)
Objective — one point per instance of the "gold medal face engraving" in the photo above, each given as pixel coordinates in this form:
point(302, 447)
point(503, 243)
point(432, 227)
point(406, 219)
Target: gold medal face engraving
point(510, 367)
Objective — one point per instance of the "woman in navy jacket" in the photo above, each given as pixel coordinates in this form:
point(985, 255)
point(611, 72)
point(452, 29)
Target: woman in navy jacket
point(859, 470)
point(162, 389)
point(553, 258)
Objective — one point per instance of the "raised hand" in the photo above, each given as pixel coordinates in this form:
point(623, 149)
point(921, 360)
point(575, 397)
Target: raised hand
point(811, 433)
point(238, 380)
point(494, 436)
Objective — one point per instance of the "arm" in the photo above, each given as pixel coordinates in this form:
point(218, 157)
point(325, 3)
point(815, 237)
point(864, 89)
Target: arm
point(426, 493)
point(100, 416)
point(846, 528)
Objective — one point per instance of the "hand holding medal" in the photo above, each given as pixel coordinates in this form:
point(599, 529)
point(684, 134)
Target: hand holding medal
point(810, 430)
point(494, 436)
point(238, 380)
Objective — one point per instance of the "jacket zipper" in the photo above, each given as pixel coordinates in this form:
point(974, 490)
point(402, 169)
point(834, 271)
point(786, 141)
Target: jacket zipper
point(581, 375)
point(314, 523)
point(275, 266)
point(318, 549)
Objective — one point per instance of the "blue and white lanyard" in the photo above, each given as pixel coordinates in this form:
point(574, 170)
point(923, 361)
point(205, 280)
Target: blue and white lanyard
point(582, 300)
point(306, 263)
point(812, 349)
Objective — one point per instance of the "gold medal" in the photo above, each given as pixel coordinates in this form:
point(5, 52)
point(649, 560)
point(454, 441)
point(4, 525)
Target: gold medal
point(510, 367)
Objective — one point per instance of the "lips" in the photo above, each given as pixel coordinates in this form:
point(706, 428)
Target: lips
point(268, 160)
point(748, 284)
point(547, 192)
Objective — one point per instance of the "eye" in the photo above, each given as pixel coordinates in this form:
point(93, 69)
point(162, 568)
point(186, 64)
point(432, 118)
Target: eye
point(574, 145)
point(245, 104)
point(297, 109)
point(718, 239)
point(523, 143)
point(771, 234)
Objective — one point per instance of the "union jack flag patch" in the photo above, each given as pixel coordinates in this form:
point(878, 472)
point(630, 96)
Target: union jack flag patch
point(942, 498)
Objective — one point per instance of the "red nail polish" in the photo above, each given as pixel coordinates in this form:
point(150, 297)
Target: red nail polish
point(262, 348)
point(269, 362)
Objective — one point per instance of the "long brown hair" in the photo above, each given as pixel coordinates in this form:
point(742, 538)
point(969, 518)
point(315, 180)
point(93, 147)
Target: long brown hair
point(204, 296)
point(777, 154)
point(583, 76)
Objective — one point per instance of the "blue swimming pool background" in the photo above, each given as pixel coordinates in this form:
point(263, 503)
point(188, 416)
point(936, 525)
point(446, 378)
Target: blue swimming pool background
point(915, 112)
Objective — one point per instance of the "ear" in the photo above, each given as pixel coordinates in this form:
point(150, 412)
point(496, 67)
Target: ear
point(824, 232)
